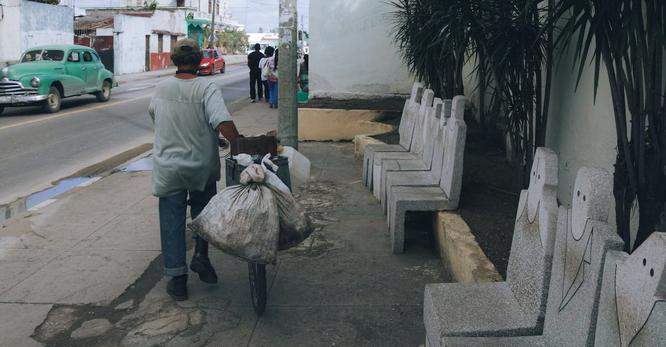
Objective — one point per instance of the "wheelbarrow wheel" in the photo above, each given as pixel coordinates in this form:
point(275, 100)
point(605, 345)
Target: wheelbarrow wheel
point(258, 287)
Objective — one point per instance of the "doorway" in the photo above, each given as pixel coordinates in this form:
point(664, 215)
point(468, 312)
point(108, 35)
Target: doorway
point(147, 52)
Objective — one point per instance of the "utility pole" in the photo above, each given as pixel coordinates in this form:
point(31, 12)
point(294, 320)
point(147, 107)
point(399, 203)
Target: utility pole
point(287, 110)
point(211, 39)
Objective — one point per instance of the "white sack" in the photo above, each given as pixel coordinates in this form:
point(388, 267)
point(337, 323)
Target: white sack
point(243, 220)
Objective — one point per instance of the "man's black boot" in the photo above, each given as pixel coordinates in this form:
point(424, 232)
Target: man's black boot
point(177, 288)
point(201, 264)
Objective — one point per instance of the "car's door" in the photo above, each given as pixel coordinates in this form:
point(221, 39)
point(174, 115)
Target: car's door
point(217, 59)
point(91, 65)
point(76, 74)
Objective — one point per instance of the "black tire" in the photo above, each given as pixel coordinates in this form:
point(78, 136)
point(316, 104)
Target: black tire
point(258, 287)
point(105, 94)
point(2, 108)
point(224, 68)
point(53, 100)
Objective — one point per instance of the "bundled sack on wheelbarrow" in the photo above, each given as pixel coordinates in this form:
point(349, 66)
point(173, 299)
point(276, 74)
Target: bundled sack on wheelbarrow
point(254, 219)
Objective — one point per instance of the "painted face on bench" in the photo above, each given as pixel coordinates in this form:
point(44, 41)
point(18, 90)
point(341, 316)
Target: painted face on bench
point(640, 282)
point(535, 191)
point(591, 202)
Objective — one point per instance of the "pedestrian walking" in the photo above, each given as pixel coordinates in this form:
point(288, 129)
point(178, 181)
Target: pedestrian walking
point(256, 83)
point(303, 74)
point(268, 53)
point(273, 79)
point(189, 113)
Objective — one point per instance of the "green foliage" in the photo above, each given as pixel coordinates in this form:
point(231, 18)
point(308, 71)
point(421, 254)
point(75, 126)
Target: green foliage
point(230, 40)
point(150, 5)
point(509, 41)
point(626, 38)
point(233, 41)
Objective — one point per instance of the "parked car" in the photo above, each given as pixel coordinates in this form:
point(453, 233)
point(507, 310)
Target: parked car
point(47, 74)
point(212, 61)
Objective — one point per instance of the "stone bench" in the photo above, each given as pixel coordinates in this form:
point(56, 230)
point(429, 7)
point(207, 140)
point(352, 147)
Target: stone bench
point(632, 305)
point(405, 132)
point(519, 303)
point(423, 178)
point(431, 137)
point(583, 238)
point(444, 196)
point(418, 141)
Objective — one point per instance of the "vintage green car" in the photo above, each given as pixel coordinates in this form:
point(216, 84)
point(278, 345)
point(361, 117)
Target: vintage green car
point(47, 74)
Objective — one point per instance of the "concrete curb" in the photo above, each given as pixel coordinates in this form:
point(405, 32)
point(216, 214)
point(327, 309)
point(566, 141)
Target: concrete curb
point(458, 248)
point(96, 171)
point(362, 141)
point(460, 251)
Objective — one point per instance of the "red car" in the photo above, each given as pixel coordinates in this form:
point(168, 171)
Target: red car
point(212, 61)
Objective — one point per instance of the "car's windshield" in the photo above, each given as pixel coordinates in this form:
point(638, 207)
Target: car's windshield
point(207, 54)
point(43, 54)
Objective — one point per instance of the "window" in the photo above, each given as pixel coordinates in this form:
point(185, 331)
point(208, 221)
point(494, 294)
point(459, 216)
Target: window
point(217, 55)
point(180, 3)
point(48, 54)
point(87, 57)
point(95, 56)
point(160, 43)
point(74, 57)
point(210, 6)
point(206, 54)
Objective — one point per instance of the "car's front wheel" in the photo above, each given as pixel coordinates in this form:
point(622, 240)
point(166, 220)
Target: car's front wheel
point(224, 67)
point(53, 100)
point(104, 94)
point(2, 108)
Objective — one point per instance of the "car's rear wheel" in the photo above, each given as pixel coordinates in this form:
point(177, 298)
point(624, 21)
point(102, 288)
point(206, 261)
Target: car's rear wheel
point(104, 94)
point(224, 67)
point(53, 100)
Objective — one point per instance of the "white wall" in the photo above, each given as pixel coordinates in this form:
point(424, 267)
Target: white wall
point(352, 52)
point(130, 42)
point(43, 24)
point(10, 23)
point(25, 24)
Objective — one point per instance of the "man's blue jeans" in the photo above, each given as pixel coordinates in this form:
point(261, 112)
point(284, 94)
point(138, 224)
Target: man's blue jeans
point(273, 93)
point(173, 215)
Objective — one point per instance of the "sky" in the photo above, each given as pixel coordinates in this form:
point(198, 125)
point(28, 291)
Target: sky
point(257, 14)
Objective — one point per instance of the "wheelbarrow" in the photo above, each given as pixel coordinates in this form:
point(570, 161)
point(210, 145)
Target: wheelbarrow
point(258, 290)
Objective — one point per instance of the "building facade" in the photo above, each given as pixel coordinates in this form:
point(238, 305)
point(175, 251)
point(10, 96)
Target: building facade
point(25, 24)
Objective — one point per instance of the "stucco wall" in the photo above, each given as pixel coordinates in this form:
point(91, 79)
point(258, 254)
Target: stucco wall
point(352, 52)
point(10, 22)
point(36, 24)
point(581, 131)
point(43, 24)
point(130, 38)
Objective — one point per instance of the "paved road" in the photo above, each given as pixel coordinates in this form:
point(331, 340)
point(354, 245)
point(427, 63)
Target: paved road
point(37, 149)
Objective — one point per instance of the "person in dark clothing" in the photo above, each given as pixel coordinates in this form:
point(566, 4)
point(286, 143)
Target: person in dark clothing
point(255, 73)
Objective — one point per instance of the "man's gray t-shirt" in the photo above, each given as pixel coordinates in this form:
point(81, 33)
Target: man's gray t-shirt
point(186, 114)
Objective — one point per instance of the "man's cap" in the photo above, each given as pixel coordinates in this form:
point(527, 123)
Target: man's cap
point(185, 46)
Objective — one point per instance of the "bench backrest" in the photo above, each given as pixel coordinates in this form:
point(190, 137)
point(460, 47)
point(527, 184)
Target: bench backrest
point(455, 136)
point(408, 120)
point(530, 261)
point(433, 120)
point(632, 304)
point(418, 140)
point(581, 243)
point(438, 151)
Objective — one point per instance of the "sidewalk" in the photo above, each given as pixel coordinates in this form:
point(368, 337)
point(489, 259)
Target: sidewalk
point(86, 270)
